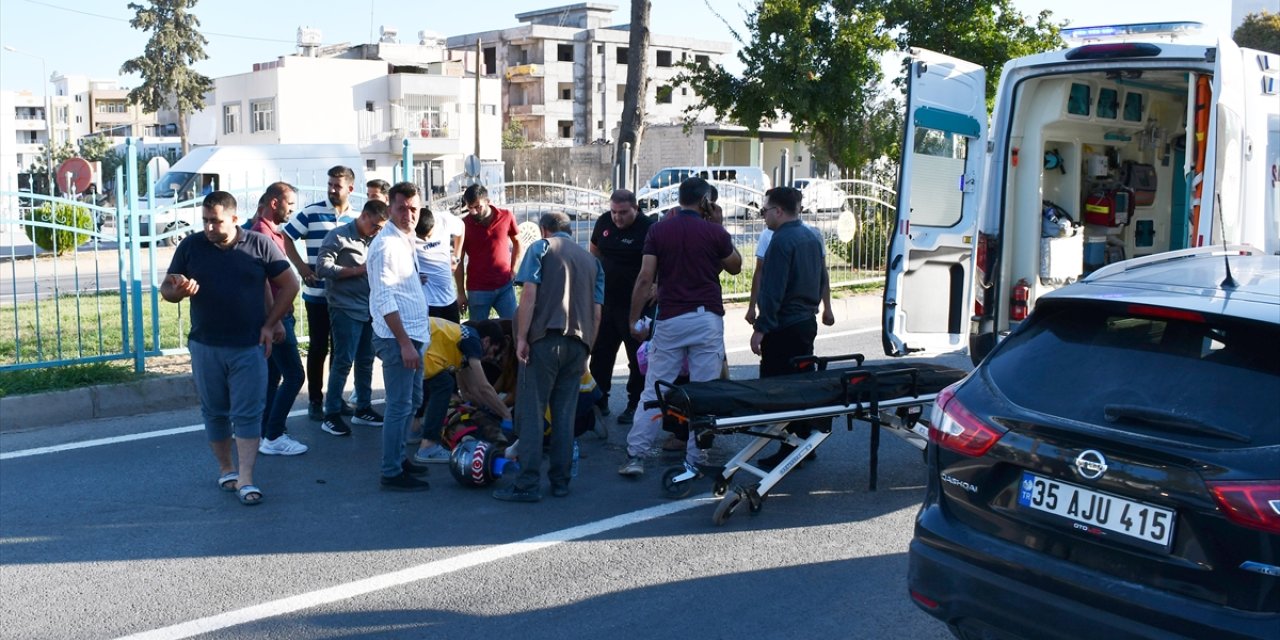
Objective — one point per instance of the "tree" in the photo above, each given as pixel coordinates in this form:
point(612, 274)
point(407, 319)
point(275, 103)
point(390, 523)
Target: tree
point(985, 32)
point(59, 154)
point(631, 129)
point(94, 148)
point(168, 81)
point(1259, 31)
point(816, 61)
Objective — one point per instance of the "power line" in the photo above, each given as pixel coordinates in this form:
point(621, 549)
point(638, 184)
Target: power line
point(126, 21)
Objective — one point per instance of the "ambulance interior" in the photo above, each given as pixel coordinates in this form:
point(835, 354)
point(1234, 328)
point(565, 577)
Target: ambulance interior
point(1110, 148)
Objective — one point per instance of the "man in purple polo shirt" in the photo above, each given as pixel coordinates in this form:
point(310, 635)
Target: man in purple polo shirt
point(684, 254)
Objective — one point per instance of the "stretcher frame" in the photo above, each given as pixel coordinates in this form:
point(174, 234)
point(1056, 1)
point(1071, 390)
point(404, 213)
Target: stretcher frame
point(903, 416)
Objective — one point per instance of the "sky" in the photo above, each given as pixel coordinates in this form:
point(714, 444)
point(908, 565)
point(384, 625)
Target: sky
point(93, 37)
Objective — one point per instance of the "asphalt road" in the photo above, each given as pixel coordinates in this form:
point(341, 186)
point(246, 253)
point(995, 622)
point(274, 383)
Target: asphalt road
point(133, 537)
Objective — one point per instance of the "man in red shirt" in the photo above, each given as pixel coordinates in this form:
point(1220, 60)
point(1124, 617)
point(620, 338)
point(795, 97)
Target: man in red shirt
point(489, 243)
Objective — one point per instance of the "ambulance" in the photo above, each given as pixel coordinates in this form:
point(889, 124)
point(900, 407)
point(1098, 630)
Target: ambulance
point(1138, 139)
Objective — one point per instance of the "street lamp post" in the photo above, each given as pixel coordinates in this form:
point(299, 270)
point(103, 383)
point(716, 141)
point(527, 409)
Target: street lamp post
point(48, 116)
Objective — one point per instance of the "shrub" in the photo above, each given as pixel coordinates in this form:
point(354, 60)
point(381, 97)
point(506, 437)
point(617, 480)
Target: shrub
point(63, 237)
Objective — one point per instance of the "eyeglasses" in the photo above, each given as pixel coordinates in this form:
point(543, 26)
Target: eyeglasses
point(765, 210)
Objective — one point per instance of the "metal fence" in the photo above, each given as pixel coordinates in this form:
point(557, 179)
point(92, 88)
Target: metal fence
point(79, 281)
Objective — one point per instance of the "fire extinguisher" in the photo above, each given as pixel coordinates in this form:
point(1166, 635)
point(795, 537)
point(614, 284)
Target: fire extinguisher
point(1018, 306)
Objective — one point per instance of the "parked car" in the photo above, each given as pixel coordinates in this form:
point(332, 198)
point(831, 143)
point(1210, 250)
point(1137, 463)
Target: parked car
point(820, 195)
point(1112, 468)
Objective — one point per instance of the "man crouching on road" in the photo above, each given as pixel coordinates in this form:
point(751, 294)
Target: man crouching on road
point(234, 321)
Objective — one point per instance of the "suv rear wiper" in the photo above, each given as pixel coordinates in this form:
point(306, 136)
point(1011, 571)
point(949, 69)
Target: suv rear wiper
point(1170, 420)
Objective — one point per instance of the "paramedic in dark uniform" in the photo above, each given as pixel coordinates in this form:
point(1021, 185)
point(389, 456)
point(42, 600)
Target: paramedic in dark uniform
point(791, 286)
point(618, 241)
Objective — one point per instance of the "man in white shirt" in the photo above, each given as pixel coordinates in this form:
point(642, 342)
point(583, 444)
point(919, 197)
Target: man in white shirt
point(401, 332)
point(437, 260)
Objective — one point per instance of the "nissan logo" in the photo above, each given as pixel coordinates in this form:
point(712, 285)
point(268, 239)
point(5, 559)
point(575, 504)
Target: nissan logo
point(1091, 464)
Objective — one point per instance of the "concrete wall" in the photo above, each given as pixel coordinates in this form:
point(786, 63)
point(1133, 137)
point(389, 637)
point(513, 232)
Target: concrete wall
point(588, 166)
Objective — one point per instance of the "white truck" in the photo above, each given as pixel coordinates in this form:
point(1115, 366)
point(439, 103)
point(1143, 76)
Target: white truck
point(1150, 139)
point(245, 171)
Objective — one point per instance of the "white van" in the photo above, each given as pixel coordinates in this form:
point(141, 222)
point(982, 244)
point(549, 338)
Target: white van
point(245, 171)
point(741, 189)
point(1149, 145)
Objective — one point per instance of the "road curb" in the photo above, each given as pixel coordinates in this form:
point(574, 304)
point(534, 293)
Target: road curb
point(20, 413)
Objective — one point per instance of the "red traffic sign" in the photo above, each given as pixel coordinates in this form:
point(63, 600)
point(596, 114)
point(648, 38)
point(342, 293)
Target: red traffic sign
point(74, 175)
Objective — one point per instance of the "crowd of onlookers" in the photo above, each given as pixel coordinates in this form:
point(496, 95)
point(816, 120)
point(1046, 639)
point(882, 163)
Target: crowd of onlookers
point(392, 282)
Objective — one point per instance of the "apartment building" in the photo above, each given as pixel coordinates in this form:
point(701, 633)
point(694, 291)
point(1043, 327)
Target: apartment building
point(374, 96)
point(564, 72)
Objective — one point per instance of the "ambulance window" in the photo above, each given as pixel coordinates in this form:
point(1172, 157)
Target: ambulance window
point(937, 167)
point(1079, 100)
point(1133, 107)
point(1108, 103)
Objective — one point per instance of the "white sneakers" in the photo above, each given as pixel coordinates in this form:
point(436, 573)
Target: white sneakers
point(282, 446)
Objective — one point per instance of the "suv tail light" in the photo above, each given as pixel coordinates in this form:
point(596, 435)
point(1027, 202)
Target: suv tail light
point(1250, 504)
point(956, 429)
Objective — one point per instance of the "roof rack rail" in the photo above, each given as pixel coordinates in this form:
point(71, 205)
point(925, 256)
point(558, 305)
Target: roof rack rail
point(1168, 256)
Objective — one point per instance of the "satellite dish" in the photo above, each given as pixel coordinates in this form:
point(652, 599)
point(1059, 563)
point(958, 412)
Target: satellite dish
point(471, 166)
point(74, 175)
point(157, 166)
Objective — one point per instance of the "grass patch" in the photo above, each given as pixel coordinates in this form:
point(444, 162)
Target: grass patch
point(84, 326)
point(24, 381)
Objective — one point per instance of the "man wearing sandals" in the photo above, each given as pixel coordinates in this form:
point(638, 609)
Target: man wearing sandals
point(225, 272)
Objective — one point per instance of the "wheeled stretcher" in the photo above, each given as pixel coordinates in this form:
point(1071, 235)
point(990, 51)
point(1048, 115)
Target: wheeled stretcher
point(891, 396)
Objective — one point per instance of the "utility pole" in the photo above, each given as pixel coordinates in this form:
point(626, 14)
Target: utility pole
point(479, 69)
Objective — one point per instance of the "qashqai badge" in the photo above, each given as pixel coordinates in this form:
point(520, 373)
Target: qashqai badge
point(1091, 464)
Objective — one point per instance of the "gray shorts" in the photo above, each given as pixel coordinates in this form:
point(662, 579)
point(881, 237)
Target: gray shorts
point(232, 383)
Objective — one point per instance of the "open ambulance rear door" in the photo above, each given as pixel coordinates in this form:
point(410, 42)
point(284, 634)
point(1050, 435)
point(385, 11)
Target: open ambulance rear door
point(928, 289)
point(1216, 203)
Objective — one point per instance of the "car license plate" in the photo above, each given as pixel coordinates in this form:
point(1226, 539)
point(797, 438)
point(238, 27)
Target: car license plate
point(1089, 509)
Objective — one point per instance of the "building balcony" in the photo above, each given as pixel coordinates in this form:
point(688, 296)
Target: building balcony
point(526, 73)
point(30, 124)
point(525, 110)
point(437, 142)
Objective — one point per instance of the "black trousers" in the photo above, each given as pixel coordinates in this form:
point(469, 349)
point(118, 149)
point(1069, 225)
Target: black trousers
point(615, 333)
point(777, 348)
point(317, 349)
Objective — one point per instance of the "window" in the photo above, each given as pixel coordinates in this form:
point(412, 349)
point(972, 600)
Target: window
point(78, 98)
point(664, 95)
point(489, 109)
point(937, 168)
point(564, 52)
point(264, 115)
point(231, 118)
point(599, 48)
point(490, 61)
point(1108, 103)
point(664, 58)
point(565, 90)
point(368, 105)
point(1133, 107)
point(622, 92)
point(112, 107)
point(370, 165)
point(700, 59)
point(620, 55)
point(684, 91)
point(31, 136)
point(566, 128)
point(79, 120)
point(1079, 99)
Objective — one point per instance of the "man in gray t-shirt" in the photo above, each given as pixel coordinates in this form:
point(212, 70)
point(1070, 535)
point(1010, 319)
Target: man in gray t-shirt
point(341, 263)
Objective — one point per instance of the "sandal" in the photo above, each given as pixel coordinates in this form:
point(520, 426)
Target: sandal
point(250, 495)
point(227, 481)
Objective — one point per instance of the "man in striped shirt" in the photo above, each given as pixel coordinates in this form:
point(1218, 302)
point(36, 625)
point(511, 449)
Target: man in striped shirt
point(312, 225)
point(401, 332)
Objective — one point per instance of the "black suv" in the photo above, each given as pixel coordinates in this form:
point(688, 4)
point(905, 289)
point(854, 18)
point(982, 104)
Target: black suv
point(1112, 469)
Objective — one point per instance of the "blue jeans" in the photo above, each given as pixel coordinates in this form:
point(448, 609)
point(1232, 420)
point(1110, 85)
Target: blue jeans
point(284, 380)
point(352, 344)
point(501, 300)
point(439, 390)
point(404, 394)
point(551, 379)
point(232, 383)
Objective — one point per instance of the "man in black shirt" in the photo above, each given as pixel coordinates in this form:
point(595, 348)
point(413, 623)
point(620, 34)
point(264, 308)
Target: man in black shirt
point(618, 241)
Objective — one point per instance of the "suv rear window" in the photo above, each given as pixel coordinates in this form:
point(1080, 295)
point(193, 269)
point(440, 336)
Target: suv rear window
point(1211, 381)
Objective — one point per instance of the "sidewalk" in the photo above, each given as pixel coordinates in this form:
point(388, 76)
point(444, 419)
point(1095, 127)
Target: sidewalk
point(165, 393)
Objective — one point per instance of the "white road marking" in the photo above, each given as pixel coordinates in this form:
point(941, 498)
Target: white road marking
point(413, 574)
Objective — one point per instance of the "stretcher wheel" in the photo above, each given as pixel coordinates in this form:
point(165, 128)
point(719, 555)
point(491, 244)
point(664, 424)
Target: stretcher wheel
point(671, 487)
point(726, 507)
point(755, 501)
point(719, 487)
